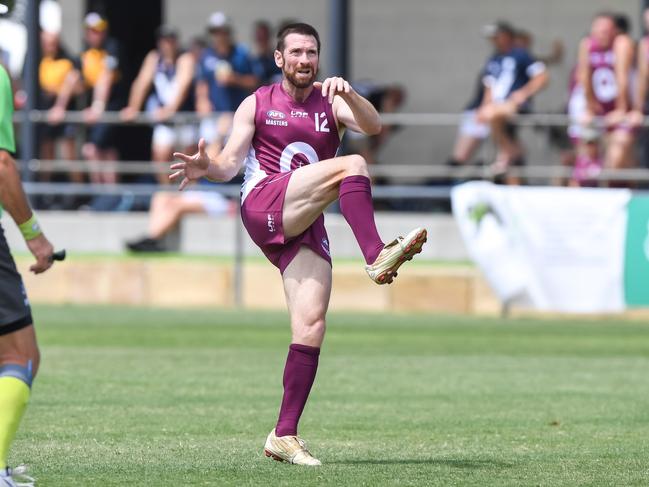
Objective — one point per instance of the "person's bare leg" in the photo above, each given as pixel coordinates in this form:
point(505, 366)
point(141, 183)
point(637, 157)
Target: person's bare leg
point(20, 347)
point(47, 155)
point(109, 156)
point(507, 148)
point(620, 143)
point(19, 360)
point(69, 153)
point(619, 153)
point(161, 155)
point(314, 187)
point(465, 147)
point(91, 154)
point(167, 211)
point(307, 286)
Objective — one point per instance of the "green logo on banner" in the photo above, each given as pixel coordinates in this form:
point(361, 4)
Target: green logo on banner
point(636, 256)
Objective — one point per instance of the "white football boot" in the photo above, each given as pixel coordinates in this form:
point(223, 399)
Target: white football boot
point(384, 269)
point(291, 449)
point(10, 477)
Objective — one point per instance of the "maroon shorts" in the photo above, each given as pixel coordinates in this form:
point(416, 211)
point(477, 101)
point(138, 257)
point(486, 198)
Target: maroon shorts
point(262, 216)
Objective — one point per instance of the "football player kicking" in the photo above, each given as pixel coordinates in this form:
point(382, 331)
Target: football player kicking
point(287, 134)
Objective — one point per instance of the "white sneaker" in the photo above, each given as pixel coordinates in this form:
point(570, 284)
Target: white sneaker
point(384, 269)
point(9, 477)
point(291, 449)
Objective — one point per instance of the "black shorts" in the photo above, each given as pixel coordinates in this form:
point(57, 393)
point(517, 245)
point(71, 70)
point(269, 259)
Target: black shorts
point(15, 312)
point(102, 135)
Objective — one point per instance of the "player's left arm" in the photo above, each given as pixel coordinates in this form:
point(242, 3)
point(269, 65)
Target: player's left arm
point(350, 109)
point(227, 163)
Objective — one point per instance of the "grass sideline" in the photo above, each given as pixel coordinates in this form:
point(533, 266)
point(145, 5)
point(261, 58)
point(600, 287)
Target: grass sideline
point(158, 397)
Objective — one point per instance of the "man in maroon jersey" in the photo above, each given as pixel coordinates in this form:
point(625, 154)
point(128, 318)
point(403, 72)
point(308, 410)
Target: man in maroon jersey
point(287, 134)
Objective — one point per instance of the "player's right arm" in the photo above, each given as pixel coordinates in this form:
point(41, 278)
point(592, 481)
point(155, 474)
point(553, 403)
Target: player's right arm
point(140, 87)
point(227, 164)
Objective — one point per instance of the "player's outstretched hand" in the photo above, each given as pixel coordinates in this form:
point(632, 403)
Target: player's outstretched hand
point(192, 168)
point(42, 250)
point(331, 87)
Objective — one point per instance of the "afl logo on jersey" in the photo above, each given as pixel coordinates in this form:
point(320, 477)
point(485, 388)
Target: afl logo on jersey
point(275, 117)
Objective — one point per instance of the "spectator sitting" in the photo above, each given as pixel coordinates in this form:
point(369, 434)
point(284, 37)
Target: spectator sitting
point(58, 82)
point(170, 72)
point(512, 78)
point(264, 61)
point(471, 132)
point(99, 67)
point(604, 66)
point(225, 78)
point(168, 209)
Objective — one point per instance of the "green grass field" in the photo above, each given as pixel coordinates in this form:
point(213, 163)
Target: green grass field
point(159, 397)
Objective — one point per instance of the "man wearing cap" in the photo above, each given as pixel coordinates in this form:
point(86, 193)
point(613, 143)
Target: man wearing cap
point(19, 356)
point(169, 71)
point(99, 67)
point(512, 77)
point(225, 79)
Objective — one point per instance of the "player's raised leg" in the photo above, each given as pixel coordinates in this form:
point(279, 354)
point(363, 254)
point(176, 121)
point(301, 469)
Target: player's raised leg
point(307, 285)
point(314, 187)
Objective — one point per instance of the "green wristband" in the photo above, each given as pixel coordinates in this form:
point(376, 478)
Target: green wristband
point(30, 229)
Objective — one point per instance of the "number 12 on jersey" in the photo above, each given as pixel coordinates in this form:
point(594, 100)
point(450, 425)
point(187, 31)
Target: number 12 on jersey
point(321, 122)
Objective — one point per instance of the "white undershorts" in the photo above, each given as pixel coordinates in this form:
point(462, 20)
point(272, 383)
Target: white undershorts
point(214, 204)
point(470, 126)
point(177, 136)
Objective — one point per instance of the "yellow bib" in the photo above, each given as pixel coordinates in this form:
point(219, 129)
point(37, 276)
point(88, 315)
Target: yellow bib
point(52, 73)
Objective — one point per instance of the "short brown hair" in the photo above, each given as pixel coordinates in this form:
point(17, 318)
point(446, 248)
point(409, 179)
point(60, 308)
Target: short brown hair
point(296, 28)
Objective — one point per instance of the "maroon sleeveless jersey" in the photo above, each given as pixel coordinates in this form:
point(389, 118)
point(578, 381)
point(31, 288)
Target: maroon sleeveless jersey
point(288, 134)
point(604, 83)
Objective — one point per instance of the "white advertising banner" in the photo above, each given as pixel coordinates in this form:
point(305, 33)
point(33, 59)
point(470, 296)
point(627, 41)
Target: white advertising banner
point(555, 249)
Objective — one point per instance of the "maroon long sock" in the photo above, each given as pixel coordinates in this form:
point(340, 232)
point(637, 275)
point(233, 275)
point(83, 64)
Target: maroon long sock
point(356, 206)
point(299, 374)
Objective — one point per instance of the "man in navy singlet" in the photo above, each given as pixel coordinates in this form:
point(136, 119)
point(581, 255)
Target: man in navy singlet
point(511, 78)
point(169, 71)
point(287, 134)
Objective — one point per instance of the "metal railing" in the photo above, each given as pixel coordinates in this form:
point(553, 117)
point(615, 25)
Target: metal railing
point(423, 172)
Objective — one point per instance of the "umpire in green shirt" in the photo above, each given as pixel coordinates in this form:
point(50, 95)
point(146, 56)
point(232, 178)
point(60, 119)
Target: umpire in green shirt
point(19, 356)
